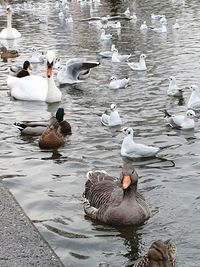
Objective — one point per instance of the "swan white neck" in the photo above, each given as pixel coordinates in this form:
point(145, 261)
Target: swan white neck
point(9, 20)
point(52, 90)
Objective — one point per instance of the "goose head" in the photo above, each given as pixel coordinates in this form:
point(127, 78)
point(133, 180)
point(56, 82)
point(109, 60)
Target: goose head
point(50, 56)
point(128, 177)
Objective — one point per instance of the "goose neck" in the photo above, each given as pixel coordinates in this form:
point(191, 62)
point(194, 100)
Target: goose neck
point(129, 193)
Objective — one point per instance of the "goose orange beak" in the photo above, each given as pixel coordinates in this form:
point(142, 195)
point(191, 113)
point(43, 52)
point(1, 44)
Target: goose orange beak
point(126, 181)
point(49, 71)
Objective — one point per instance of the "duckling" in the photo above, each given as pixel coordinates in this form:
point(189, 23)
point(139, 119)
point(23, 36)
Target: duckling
point(5, 53)
point(160, 254)
point(35, 128)
point(51, 138)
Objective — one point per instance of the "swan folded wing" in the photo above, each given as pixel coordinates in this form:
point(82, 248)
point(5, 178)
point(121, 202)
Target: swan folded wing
point(32, 88)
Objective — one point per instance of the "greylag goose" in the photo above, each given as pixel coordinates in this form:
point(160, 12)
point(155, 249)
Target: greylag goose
point(115, 201)
point(160, 254)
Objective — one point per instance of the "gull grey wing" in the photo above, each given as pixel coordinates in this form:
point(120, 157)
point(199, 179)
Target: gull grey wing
point(76, 68)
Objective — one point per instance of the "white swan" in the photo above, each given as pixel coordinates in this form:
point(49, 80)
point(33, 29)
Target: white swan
point(34, 87)
point(9, 32)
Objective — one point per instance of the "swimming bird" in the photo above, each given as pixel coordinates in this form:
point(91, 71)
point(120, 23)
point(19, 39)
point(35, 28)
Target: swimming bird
point(144, 26)
point(104, 36)
point(194, 100)
point(6, 53)
point(156, 17)
point(163, 19)
point(133, 17)
point(117, 58)
point(161, 29)
point(184, 122)
point(108, 54)
point(9, 32)
point(176, 25)
point(113, 119)
point(115, 201)
point(35, 128)
point(118, 83)
point(51, 137)
point(160, 254)
point(36, 56)
point(34, 87)
point(74, 70)
point(140, 66)
point(130, 149)
point(127, 13)
point(173, 89)
point(115, 25)
point(21, 71)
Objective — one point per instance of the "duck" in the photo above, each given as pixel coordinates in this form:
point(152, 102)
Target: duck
point(130, 149)
point(36, 128)
point(117, 58)
point(115, 201)
point(144, 26)
point(173, 89)
point(113, 119)
point(108, 54)
point(185, 122)
point(75, 70)
point(194, 100)
point(160, 254)
point(104, 36)
point(36, 56)
point(139, 66)
point(5, 53)
point(20, 72)
point(34, 87)
point(9, 32)
point(51, 137)
point(118, 83)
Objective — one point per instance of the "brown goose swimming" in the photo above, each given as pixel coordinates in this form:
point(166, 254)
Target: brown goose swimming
point(115, 201)
point(160, 254)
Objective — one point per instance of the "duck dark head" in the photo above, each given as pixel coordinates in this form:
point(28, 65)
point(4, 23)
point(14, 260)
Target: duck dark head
point(60, 114)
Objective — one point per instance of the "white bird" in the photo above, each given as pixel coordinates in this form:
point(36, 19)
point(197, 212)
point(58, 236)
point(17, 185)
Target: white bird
point(108, 54)
point(113, 119)
point(69, 19)
point(156, 17)
point(181, 121)
point(104, 36)
point(61, 15)
point(74, 68)
point(176, 25)
point(140, 66)
point(161, 29)
point(127, 13)
point(36, 56)
point(133, 17)
point(144, 26)
point(116, 57)
point(118, 83)
point(9, 32)
point(131, 149)
point(163, 19)
point(115, 25)
point(194, 100)
point(34, 87)
point(173, 89)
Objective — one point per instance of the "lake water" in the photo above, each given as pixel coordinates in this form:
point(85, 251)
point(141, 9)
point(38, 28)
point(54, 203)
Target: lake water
point(49, 184)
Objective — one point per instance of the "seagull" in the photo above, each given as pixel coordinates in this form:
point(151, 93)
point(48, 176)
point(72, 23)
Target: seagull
point(140, 66)
point(163, 19)
point(133, 17)
point(127, 13)
point(194, 100)
point(176, 25)
point(115, 25)
point(36, 57)
point(113, 119)
point(74, 68)
point(156, 17)
point(118, 83)
point(69, 19)
point(161, 29)
point(116, 57)
point(108, 54)
point(130, 149)
point(173, 89)
point(144, 26)
point(104, 36)
point(181, 121)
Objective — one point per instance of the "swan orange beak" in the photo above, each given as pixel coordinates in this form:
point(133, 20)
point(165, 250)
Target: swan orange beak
point(126, 181)
point(49, 71)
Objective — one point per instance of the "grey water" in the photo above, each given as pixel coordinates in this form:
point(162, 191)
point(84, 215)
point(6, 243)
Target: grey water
point(49, 184)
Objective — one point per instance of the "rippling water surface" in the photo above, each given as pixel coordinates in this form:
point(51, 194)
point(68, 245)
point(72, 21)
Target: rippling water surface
point(49, 184)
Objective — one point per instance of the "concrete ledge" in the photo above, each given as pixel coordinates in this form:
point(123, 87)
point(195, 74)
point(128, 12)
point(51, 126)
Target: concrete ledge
point(20, 242)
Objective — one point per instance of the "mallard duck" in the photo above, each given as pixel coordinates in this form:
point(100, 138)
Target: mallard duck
point(5, 53)
point(115, 201)
point(51, 138)
point(160, 254)
point(34, 87)
point(36, 128)
point(9, 32)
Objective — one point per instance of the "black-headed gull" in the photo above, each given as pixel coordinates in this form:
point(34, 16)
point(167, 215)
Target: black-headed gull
point(118, 83)
point(37, 57)
point(144, 26)
point(181, 121)
point(173, 89)
point(104, 36)
point(117, 58)
point(140, 66)
point(113, 119)
point(176, 25)
point(130, 149)
point(108, 54)
point(194, 100)
point(162, 29)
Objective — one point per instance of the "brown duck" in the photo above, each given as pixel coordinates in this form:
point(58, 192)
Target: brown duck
point(5, 53)
point(51, 138)
point(115, 201)
point(160, 254)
